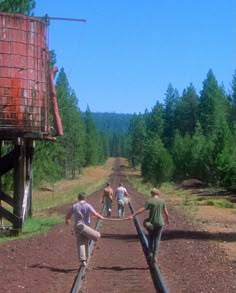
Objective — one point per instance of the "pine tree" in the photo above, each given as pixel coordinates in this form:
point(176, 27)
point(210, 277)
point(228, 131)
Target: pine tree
point(233, 101)
point(73, 141)
point(213, 107)
point(201, 160)
point(46, 165)
point(187, 111)
point(137, 135)
point(157, 165)
point(91, 140)
point(17, 6)
point(155, 120)
point(181, 154)
point(171, 100)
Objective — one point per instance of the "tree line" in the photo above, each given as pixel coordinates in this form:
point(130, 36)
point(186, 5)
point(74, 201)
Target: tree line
point(188, 136)
point(115, 126)
point(81, 145)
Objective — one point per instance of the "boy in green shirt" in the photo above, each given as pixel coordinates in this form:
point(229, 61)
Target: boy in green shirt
point(155, 222)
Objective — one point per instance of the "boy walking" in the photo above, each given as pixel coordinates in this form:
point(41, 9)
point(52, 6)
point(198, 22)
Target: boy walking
point(107, 198)
point(155, 222)
point(82, 211)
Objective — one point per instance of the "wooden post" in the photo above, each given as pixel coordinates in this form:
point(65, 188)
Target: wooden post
point(19, 183)
point(29, 178)
point(1, 219)
point(23, 182)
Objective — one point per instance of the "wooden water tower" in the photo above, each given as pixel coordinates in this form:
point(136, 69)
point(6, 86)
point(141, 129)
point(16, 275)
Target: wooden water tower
point(27, 95)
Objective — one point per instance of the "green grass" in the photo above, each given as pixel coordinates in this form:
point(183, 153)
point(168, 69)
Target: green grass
point(221, 203)
point(41, 221)
point(140, 186)
point(168, 189)
point(200, 201)
point(35, 226)
point(39, 225)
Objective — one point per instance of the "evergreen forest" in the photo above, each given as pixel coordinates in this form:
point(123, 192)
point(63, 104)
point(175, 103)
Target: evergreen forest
point(188, 136)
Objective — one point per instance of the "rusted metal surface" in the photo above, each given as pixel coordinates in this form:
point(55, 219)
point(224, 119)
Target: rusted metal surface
point(55, 112)
point(24, 70)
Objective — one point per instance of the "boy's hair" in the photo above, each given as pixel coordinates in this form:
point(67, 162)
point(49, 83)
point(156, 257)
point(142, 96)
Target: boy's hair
point(81, 196)
point(155, 191)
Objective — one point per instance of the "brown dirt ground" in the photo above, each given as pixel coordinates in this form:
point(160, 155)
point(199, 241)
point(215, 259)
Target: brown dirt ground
point(219, 222)
point(195, 256)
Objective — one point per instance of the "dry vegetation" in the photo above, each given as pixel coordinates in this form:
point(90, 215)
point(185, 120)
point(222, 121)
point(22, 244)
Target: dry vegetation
point(66, 191)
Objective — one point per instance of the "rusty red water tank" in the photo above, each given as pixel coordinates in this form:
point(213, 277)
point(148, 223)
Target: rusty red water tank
point(24, 69)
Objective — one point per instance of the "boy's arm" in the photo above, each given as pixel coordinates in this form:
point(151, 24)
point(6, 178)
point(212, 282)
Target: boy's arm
point(126, 192)
point(139, 211)
point(166, 215)
point(67, 219)
point(96, 214)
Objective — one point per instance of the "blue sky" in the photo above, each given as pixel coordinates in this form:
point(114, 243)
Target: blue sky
point(128, 51)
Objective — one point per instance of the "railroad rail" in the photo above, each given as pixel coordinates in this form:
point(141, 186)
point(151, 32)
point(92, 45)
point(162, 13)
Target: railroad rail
point(153, 267)
point(157, 279)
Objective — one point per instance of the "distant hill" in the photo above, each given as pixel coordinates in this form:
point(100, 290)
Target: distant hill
point(112, 122)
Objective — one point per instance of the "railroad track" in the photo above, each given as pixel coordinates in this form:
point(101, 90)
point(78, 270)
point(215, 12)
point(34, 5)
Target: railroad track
point(157, 279)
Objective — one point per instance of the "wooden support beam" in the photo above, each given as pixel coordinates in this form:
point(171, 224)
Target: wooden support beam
point(16, 221)
point(5, 197)
point(27, 200)
point(19, 182)
point(1, 144)
point(20, 160)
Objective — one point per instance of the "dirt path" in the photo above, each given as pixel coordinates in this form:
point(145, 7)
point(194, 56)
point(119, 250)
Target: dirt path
point(118, 263)
point(189, 260)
